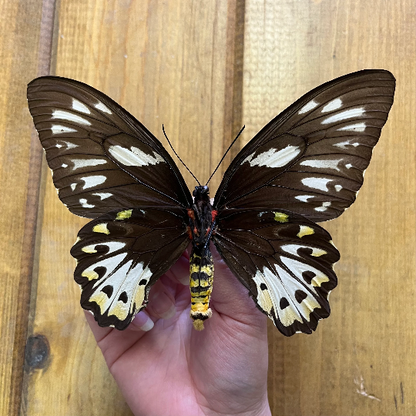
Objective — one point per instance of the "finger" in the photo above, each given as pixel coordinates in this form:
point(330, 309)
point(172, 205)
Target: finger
point(114, 343)
point(179, 272)
point(161, 301)
point(230, 297)
point(141, 322)
point(98, 331)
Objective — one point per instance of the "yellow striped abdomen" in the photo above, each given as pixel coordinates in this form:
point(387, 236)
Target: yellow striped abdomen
point(201, 278)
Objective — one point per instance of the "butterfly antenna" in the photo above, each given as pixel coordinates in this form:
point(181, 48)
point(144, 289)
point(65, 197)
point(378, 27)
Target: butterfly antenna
point(225, 154)
point(174, 151)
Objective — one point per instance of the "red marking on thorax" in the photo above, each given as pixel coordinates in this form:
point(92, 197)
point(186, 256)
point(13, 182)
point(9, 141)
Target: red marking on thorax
point(214, 214)
point(191, 214)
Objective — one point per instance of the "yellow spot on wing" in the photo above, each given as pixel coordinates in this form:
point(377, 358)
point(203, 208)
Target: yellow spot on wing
point(120, 310)
point(281, 217)
point(101, 228)
point(305, 230)
point(90, 274)
point(289, 315)
point(318, 280)
point(124, 215)
point(139, 296)
point(264, 299)
point(307, 306)
point(101, 299)
point(89, 249)
point(318, 252)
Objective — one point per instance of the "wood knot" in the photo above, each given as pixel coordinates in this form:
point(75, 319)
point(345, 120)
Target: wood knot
point(37, 352)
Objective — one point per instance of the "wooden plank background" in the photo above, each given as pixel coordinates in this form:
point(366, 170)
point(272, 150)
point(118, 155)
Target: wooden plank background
point(204, 69)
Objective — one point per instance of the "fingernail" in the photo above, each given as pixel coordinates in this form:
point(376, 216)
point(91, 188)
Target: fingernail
point(142, 322)
point(149, 324)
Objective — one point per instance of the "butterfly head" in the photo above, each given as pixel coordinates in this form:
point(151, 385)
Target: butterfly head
point(201, 193)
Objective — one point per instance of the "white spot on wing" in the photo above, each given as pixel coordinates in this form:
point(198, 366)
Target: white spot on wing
point(73, 118)
point(84, 163)
point(92, 181)
point(323, 207)
point(73, 186)
point(338, 187)
point(344, 115)
point(308, 107)
point(84, 203)
point(79, 106)
point(344, 145)
point(293, 249)
point(110, 264)
point(100, 106)
point(303, 198)
point(269, 299)
point(275, 158)
point(322, 164)
point(111, 245)
point(58, 129)
point(103, 195)
point(280, 284)
point(124, 279)
point(67, 145)
point(332, 105)
point(298, 268)
point(316, 183)
point(360, 127)
point(134, 156)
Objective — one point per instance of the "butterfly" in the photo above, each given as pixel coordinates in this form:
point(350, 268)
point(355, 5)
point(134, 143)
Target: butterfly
point(305, 166)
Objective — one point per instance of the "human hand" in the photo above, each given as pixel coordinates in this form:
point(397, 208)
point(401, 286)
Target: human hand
point(172, 369)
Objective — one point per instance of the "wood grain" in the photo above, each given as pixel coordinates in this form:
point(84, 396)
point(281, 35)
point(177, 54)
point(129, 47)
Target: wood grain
point(203, 69)
point(20, 162)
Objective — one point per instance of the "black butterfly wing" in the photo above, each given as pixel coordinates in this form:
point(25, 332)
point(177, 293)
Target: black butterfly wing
point(284, 260)
point(306, 165)
point(311, 158)
point(101, 157)
point(106, 165)
point(120, 255)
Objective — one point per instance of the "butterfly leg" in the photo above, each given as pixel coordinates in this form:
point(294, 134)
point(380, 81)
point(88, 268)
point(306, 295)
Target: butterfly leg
point(201, 267)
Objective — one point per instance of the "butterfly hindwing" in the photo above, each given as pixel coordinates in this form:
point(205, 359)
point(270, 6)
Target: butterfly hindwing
point(120, 255)
point(311, 158)
point(102, 158)
point(284, 260)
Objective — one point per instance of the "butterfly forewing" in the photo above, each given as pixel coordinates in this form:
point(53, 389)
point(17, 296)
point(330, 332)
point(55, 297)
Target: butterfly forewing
point(284, 260)
point(120, 255)
point(328, 137)
point(102, 158)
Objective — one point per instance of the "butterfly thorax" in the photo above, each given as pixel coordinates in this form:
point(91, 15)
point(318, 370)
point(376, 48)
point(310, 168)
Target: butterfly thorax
point(201, 226)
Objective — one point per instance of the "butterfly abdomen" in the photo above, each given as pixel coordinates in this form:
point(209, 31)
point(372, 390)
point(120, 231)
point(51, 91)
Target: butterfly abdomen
point(201, 268)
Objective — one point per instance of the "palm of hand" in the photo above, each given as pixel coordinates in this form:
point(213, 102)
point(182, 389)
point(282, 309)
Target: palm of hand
point(176, 370)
